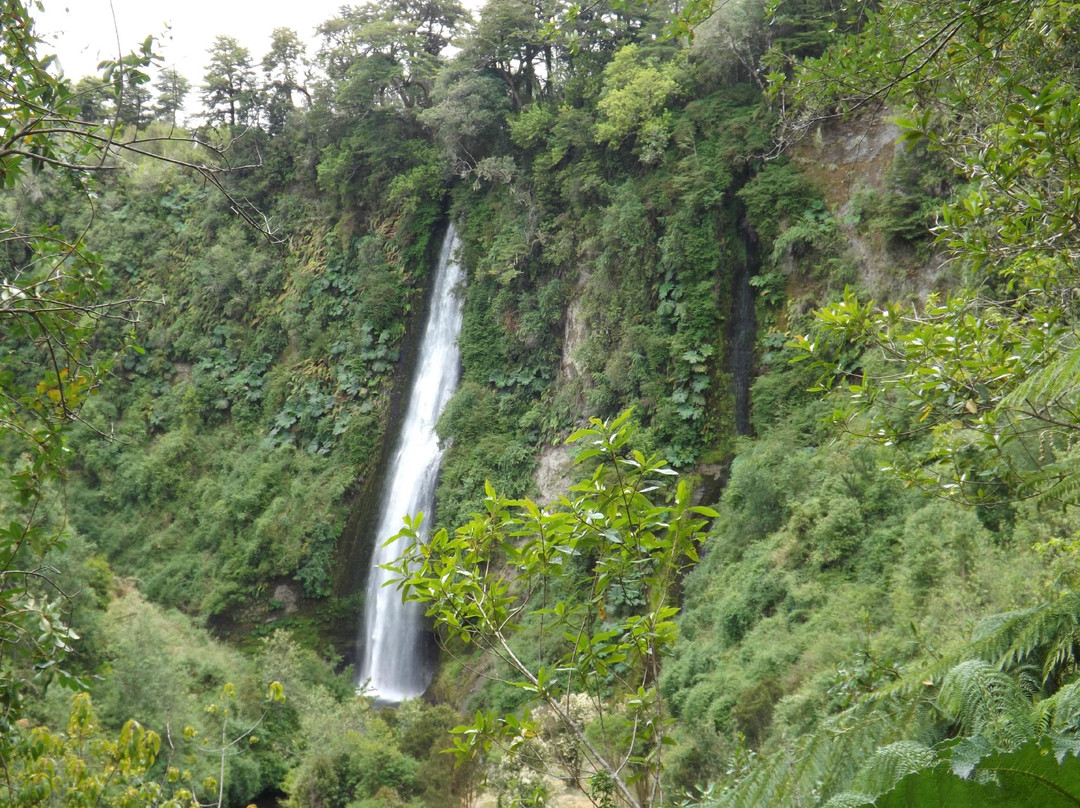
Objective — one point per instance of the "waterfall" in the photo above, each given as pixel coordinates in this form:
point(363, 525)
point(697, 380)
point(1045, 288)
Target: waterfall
point(394, 638)
point(743, 327)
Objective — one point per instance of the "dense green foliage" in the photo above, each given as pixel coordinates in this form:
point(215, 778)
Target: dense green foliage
point(968, 395)
point(647, 222)
point(175, 708)
point(610, 538)
point(976, 390)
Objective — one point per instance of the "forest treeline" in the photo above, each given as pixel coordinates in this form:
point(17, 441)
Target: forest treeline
point(814, 260)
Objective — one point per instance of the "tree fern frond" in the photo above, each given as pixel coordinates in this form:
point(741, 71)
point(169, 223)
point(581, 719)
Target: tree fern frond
point(990, 689)
point(1029, 678)
point(769, 783)
point(1060, 711)
point(1057, 482)
point(965, 755)
point(890, 764)
point(1045, 635)
point(988, 702)
point(1064, 745)
point(1009, 640)
point(850, 800)
point(1044, 715)
point(1062, 654)
point(826, 761)
point(1022, 778)
point(1049, 628)
point(1058, 379)
point(993, 624)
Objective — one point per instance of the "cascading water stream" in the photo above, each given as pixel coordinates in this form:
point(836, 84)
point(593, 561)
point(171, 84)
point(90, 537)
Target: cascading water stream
point(393, 641)
point(743, 327)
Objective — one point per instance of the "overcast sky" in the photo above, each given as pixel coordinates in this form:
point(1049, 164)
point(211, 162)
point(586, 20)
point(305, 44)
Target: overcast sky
point(84, 32)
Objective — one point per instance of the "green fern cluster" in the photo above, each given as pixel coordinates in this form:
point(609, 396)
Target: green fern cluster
point(1009, 695)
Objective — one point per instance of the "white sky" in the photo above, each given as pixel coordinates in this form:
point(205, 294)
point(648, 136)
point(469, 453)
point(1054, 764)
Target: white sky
point(84, 32)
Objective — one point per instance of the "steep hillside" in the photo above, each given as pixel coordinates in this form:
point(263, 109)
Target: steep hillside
point(832, 294)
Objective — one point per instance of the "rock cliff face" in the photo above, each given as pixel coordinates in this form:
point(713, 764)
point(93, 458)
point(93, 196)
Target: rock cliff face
point(573, 336)
point(554, 473)
point(846, 160)
point(848, 155)
point(554, 466)
point(850, 165)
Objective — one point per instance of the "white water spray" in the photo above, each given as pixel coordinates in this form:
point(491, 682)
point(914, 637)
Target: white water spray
point(393, 641)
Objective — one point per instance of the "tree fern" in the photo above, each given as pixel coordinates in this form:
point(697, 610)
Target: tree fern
point(890, 764)
point(1047, 634)
point(1060, 712)
point(1032, 776)
point(1057, 482)
point(1051, 388)
point(966, 754)
point(987, 702)
point(827, 761)
point(1010, 686)
point(850, 800)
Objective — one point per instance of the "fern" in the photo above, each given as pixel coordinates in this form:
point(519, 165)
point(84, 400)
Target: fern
point(827, 761)
point(1032, 776)
point(1011, 685)
point(1044, 638)
point(850, 800)
point(1060, 711)
point(1056, 482)
point(1046, 389)
point(966, 754)
point(1047, 634)
point(985, 701)
point(890, 764)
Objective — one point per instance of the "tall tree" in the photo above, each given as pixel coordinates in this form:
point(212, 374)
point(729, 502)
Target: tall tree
point(467, 113)
point(229, 91)
point(511, 41)
point(133, 100)
point(93, 96)
point(285, 67)
point(634, 101)
point(172, 88)
point(534, 45)
point(388, 54)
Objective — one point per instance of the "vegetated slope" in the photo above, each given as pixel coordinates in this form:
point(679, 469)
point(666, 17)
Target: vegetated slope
point(967, 395)
point(631, 187)
point(826, 575)
point(259, 396)
point(610, 196)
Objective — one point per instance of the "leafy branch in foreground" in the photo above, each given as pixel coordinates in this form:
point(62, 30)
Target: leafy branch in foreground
point(577, 601)
point(61, 332)
point(980, 402)
point(978, 390)
point(83, 766)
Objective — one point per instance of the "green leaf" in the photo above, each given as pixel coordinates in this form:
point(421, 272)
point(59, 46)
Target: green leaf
point(1029, 777)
